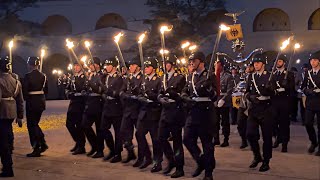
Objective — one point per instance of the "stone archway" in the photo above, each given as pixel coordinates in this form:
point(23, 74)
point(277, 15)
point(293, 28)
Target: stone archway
point(271, 19)
point(56, 25)
point(111, 20)
point(314, 20)
point(54, 61)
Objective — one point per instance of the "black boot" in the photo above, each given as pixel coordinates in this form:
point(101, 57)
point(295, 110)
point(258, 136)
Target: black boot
point(146, 163)
point(208, 178)
point(225, 142)
point(35, 153)
point(257, 159)
point(43, 146)
point(265, 166)
point(7, 172)
point(109, 156)
point(318, 152)
point(199, 169)
point(98, 154)
point(79, 150)
point(178, 173)
point(284, 147)
point(116, 158)
point(90, 153)
point(131, 156)
point(244, 144)
point(138, 163)
point(157, 167)
point(74, 148)
point(276, 143)
point(216, 141)
point(312, 148)
point(169, 168)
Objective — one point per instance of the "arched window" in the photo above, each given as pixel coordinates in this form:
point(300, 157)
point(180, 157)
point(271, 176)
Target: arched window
point(56, 25)
point(314, 20)
point(271, 19)
point(111, 20)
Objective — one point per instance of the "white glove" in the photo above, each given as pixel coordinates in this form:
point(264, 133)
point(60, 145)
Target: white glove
point(280, 89)
point(316, 90)
point(263, 98)
point(299, 91)
point(221, 103)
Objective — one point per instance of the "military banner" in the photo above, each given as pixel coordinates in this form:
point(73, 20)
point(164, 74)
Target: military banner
point(235, 32)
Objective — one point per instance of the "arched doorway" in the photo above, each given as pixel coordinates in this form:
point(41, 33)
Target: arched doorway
point(111, 20)
point(58, 62)
point(56, 25)
point(314, 20)
point(271, 19)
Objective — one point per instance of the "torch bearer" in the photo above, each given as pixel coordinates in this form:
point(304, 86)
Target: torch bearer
point(222, 28)
point(70, 46)
point(10, 45)
point(43, 53)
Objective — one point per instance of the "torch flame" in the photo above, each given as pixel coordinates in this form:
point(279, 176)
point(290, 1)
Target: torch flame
point(43, 53)
point(184, 45)
point(87, 44)
point(165, 29)
point(164, 51)
point(193, 47)
point(141, 37)
point(297, 46)
point(117, 37)
point(224, 27)
point(285, 43)
point(70, 44)
point(10, 44)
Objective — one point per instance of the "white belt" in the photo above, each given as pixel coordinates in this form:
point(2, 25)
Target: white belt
point(223, 94)
point(7, 99)
point(171, 101)
point(263, 98)
point(36, 92)
point(94, 94)
point(78, 94)
point(110, 98)
point(201, 99)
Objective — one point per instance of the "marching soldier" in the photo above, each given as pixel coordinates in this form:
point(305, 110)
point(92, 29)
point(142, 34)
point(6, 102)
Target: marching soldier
point(301, 95)
point(235, 79)
point(131, 106)
point(224, 103)
point(148, 119)
point(258, 92)
point(199, 95)
point(283, 80)
point(75, 91)
point(11, 107)
point(93, 110)
point(34, 89)
point(112, 110)
point(311, 88)
point(172, 119)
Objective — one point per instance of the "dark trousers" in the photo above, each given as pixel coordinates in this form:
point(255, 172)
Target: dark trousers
point(294, 108)
point(175, 155)
point(264, 120)
point(190, 138)
point(242, 123)
point(75, 129)
point(302, 110)
point(5, 153)
point(143, 127)
point(280, 113)
point(223, 119)
point(310, 118)
point(127, 130)
point(234, 114)
point(115, 146)
point(96, 141)
point(35, 133)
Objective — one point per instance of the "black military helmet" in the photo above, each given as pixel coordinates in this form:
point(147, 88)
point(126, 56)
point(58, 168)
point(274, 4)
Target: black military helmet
point(151, 61)
point(283, 57)
point(305, 65)
point(5, 64)
point(171, 59)
point(197, 55)
point(111, 61)
point(135, 60)
point(259, 58)
point(315, 55)
point(95, 60)
point(33, 61)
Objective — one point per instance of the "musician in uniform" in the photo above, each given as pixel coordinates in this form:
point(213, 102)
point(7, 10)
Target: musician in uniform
point(199, 95)
point(311, 88)
point(235, 79)
point(34, 89)
point(11, 108)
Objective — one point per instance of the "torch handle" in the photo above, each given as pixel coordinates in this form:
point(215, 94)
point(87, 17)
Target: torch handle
point(214, 51)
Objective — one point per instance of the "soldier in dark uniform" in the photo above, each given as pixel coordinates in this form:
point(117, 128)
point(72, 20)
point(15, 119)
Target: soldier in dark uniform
point(301, 95)
point(93, 110)
point(172, 119)
point(283, 80)
point(235, 79)
point(34, 89)
point(75, 91)
point(148, 119)
point(224, 103)
point(311, 88)
point(11, 107)
point(131, 106)
point(199, 95)
point(258, 91)
point(112, 109)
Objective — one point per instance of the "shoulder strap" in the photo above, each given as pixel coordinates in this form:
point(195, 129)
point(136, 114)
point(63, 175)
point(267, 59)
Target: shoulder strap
point(311, 79)
point(44, 82)
point(193, 86)
point(255, 84)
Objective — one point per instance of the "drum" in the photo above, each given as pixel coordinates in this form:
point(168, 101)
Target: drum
point(236, 99)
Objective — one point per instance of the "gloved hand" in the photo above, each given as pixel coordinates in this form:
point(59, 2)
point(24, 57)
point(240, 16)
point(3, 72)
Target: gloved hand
point(19, 122)
point(221, 103)
point(189, 102)
point(253, 99)
point(316, 90)
point(143, 100)
point(164, 101)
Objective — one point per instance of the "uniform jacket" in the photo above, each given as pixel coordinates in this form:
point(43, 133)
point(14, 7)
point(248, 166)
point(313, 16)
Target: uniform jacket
point(313, 98)
point(278, 81)
point(94, 88)
point(226, 87)
point(75, 91)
